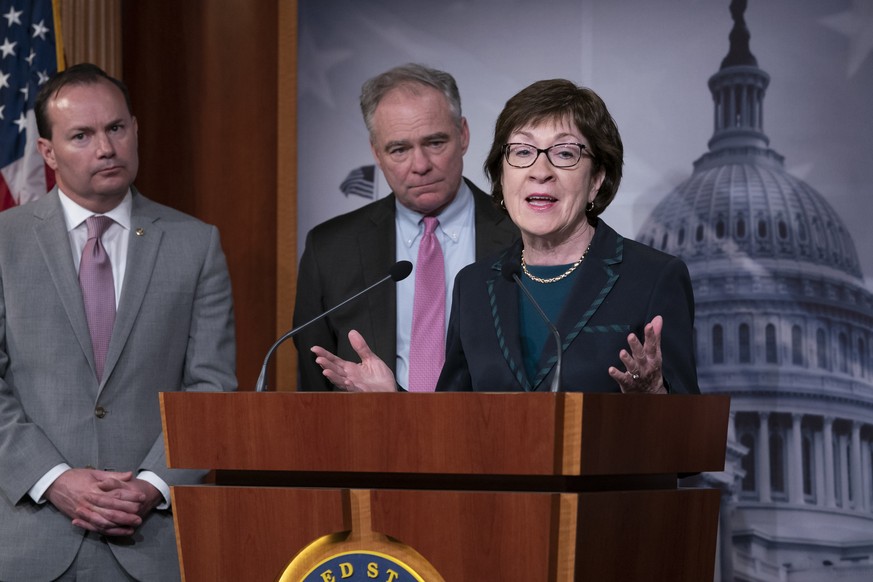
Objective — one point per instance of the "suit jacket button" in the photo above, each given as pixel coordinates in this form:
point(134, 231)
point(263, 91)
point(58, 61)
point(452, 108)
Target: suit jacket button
point(100, 412)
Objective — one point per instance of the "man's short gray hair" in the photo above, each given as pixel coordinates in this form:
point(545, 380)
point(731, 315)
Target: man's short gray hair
point(408, 75)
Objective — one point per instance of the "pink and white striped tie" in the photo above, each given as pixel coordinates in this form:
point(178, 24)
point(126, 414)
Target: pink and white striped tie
point(98, 289)
point(427, 347)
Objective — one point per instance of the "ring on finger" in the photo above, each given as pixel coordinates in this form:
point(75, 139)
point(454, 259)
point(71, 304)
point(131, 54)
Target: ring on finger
point(635, 374)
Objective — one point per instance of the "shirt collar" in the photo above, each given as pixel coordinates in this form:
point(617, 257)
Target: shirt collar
point(74, 214)
point(451, 218)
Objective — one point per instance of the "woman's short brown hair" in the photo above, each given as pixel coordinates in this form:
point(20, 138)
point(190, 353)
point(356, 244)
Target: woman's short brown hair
point(559, 99)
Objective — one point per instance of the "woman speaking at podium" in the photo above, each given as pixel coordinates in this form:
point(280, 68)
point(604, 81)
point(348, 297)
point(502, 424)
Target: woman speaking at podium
point(572, 305)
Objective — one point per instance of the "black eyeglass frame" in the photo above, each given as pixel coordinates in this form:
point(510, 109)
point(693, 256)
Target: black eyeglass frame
point(584, 152)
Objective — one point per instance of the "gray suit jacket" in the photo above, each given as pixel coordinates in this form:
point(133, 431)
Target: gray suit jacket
point(350, 252)
point(173, 331)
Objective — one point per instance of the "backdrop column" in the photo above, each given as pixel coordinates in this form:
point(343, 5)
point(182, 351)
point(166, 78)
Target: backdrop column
point(203, 80)
point(92, 33)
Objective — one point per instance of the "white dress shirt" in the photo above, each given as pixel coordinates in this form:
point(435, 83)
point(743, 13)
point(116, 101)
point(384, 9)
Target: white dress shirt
point(115, 241)
point(457, 237)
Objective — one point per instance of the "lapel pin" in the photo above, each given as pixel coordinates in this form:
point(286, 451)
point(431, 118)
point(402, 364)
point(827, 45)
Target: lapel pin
point(140, 232)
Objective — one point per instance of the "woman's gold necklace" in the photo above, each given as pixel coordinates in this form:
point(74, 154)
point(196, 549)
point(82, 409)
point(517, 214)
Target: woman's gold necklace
point(563, 275)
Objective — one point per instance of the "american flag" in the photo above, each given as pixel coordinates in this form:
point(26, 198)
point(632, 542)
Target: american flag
point(360, 182)
point(29, 56)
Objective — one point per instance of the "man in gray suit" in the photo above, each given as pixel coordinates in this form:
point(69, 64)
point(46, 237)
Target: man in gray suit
point(418, 138)
point(84, 486)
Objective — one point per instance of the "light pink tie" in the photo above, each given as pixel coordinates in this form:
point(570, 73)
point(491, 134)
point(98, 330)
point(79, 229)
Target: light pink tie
point(427, 347)
point(98, 289)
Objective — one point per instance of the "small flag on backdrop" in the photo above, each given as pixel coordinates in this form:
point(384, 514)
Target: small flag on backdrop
point(360, 182)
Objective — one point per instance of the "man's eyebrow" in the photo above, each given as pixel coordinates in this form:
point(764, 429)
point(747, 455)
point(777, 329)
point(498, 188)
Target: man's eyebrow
point(90, 128)
point(396, 143)
point(440, 135)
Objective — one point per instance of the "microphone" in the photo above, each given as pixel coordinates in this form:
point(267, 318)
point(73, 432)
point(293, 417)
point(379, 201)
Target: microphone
point(398, 272)
point(510, 270)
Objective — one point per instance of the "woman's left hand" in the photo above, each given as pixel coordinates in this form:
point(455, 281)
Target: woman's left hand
point(643, 362)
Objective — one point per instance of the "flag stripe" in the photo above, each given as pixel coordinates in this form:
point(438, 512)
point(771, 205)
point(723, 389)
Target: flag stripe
point(360, 182)
point(28, 58)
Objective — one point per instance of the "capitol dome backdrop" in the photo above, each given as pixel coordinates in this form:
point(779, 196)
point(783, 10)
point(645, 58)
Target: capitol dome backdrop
point(747, 153)
point(784, 324)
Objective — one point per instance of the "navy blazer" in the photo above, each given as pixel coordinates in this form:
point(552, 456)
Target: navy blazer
point(620, 286)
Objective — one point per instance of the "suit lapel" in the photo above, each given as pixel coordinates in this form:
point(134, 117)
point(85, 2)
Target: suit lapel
point(50, 230)
point(142, 252)
point(377, 254)
point(504, 297)
point(493, 228)
point(596, 277)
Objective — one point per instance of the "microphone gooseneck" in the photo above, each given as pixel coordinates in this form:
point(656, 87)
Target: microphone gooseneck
point(398, 271)
point(510, 271)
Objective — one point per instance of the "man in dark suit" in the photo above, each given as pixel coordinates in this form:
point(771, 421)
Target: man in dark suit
point(418, 138)
point(84, 484)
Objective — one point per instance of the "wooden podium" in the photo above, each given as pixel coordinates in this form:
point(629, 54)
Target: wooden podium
point(508, 487)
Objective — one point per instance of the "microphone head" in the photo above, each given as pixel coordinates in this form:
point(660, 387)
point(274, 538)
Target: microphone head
point(510, 268)
point(400, 270)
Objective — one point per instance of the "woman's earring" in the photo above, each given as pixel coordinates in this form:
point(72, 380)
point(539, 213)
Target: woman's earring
point(590, 207)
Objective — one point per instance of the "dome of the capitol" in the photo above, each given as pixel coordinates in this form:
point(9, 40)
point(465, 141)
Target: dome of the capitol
point(740, 201)
point(750, 206)
point(784, 325)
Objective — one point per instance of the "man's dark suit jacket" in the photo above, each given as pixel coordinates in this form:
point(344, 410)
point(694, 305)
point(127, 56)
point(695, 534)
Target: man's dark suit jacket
point(347, 254)
point(620, 286)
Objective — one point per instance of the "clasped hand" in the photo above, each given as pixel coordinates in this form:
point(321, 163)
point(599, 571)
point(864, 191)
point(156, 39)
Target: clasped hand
point(107, 502)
